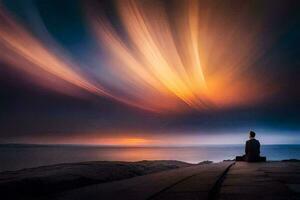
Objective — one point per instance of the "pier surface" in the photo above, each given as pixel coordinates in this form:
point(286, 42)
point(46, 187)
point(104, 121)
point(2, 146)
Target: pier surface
point(226, 181)
point(263, 181)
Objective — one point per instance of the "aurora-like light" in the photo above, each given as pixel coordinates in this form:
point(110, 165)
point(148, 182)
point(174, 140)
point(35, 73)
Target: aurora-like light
point(184, 56)
point(166, 60)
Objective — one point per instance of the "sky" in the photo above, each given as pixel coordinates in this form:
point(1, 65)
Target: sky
point(159, 72)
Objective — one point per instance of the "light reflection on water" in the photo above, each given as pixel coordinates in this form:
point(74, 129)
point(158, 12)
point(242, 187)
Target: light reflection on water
point(14, 157)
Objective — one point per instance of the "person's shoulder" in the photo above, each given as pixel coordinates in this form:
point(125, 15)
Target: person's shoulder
point(252, 141)
point(255, 141)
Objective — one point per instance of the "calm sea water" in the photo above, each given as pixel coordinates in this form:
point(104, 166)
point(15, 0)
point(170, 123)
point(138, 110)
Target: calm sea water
point(13, 157)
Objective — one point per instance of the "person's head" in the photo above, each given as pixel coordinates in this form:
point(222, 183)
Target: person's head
point(252, 134)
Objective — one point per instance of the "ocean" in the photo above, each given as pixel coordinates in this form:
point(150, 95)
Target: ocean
point(14, 157)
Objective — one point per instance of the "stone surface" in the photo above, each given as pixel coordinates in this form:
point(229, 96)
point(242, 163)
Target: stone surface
point(181, 196)
point(243, 181)
point(45, 180)
point(294, 187)
point(185, 183)
point(269, 180)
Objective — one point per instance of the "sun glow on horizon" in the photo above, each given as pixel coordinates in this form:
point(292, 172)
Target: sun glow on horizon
point(124, 141)
point(164, 139)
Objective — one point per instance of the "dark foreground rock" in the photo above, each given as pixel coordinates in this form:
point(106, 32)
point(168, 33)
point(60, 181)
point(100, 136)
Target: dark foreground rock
point(225, 181)
point(193, 182)
point(41, 181)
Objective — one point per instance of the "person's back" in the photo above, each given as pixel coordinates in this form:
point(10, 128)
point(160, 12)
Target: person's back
point(252, 150)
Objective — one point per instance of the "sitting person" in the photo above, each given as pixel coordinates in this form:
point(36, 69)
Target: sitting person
point(252, 150)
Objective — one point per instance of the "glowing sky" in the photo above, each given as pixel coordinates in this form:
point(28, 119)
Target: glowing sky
point(140, 72)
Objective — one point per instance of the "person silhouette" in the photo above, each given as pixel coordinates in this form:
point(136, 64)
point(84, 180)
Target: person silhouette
point(252, 150)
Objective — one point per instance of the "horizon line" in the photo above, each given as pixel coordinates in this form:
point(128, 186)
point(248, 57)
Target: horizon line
point(105, 145)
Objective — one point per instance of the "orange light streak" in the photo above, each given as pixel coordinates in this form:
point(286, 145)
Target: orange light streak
point(161, 61)
point(185, 58)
